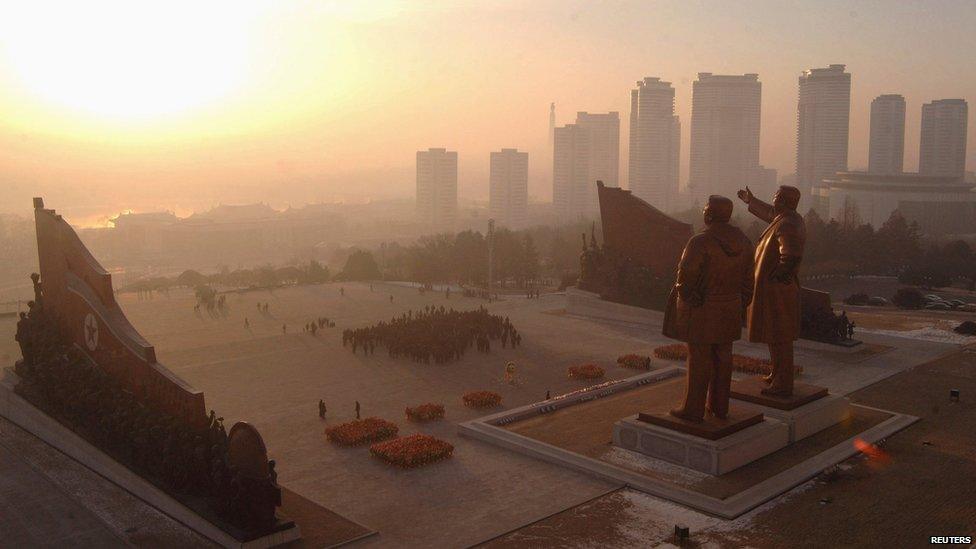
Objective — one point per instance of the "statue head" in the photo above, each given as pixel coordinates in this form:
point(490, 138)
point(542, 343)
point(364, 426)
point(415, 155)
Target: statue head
point(717, 210)
point(786, 198)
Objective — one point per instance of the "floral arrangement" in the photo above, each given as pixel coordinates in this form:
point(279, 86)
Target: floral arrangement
point(586, 371)
point(361, 431)
point(482, 399)
point(675, 351)
point(740, 363)
point(412, 451)
point(638, 362)
point(425, 412)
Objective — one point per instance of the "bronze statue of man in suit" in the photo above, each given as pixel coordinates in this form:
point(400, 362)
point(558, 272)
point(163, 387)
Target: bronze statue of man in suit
point(713, 287)
point(774, 315)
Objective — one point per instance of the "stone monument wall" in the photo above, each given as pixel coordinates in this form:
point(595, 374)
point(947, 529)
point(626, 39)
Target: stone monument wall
point(78, 293)
point(635, 229)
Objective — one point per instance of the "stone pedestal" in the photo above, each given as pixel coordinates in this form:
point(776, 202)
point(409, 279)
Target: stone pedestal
point(809, 410)
point(717, 447)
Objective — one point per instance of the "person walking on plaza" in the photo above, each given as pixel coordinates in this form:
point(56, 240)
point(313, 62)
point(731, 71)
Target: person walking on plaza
point(357, 409)
point(321, 409)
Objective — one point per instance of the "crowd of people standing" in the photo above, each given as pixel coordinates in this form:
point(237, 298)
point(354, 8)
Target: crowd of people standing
point(434, 334)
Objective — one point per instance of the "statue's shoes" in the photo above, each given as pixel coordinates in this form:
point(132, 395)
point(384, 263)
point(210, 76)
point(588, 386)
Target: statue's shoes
point(680, 413)
point(772, 391)
point(720, 416)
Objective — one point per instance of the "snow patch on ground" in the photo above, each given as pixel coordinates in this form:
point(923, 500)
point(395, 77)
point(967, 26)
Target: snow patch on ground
point(648, 519)
point(929, 333)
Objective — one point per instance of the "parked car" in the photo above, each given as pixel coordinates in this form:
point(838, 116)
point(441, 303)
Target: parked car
point(878, 301)
point(938, 306)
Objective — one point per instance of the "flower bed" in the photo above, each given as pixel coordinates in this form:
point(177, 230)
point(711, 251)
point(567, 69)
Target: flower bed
point(675, 351)
point(412, 451)
point(740, 363)
point(638, 362)
point(361, 431)
point(425, 412)
point(482, 399)
point(586, 371)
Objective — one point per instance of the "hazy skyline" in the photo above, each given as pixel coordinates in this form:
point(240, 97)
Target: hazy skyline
point(112, 105)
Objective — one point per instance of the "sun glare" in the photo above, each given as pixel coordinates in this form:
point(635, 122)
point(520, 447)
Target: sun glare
point(127, 60)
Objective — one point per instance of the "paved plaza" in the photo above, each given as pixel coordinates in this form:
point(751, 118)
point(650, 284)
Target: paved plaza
point(274, 379)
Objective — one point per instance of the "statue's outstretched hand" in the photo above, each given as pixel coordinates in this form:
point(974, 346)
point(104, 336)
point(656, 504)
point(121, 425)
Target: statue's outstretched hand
point(745, 195)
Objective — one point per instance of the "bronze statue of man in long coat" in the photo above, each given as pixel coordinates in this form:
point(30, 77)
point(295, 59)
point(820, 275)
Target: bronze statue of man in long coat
point(774, 315)
point(706, 307)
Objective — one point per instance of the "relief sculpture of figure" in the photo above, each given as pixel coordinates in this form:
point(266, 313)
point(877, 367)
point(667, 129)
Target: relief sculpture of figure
point(774, 315)
point(713, 287)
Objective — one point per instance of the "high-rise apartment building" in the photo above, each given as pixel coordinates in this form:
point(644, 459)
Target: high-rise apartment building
point(823, 122)
point(437, 186)
point(508, 187)
point(655, 143)
point(725, 116)
point(886, 151)
point(942, 147)
point(584, 153)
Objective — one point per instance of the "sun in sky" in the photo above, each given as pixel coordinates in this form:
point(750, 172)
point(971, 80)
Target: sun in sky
point(128, 60)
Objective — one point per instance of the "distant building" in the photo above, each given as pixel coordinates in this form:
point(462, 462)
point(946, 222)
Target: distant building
point(939, 204)
point(942, 148)
point(886, 152)
point(584, 153)
point(604, 129)
point(724, 134)
point(508, 187)
point(437, 187)
point(655, 144)
point(823, 121)
point(764, 183)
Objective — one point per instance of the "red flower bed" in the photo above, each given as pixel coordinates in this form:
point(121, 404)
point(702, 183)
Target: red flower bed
point(638, 362)
point(740, 363)
point(586, 371)
point(361, 431)
point(482, 399)
point(675, 351)
point(425, 412)
point(412, 451)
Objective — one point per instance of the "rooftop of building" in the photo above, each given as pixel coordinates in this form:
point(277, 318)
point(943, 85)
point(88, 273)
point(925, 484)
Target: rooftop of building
point(653, 81)
point(709, 77)
point(832, 70)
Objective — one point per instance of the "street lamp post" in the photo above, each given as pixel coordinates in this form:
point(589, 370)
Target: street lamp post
point(491, 250)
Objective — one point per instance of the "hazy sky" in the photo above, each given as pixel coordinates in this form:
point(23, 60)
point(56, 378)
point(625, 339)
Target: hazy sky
point(183, 104)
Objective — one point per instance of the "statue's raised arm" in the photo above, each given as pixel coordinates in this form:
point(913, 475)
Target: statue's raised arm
point(757, 207)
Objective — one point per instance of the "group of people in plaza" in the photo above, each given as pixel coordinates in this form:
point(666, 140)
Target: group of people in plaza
point(323, 409)
point(319, 323)
point(722, 278)
point(215, 305)
point(434, 334)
